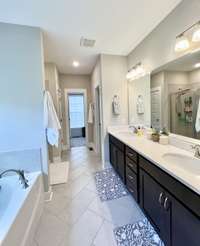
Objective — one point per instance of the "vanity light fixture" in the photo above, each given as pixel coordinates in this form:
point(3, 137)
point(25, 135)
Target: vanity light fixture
point(196, 33)
point(182, 40)
point(136, 72)
point(182, 43)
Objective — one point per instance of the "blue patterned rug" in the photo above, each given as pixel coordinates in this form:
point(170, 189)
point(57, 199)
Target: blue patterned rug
point(138, 234)
point(109, 185)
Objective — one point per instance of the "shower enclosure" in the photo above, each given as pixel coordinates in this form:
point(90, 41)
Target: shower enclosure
point(183, 112)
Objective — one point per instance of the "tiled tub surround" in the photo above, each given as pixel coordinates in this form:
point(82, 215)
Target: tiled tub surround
point(28, 160)
point(154, 152)
point(20, 209)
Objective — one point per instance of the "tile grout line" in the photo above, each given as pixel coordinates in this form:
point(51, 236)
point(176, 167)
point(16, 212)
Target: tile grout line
point(97, 232)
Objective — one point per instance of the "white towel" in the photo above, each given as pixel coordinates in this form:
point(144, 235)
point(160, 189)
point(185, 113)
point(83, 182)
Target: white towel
point(90, 114)
point(197, 124)
point(51, 121)
point(116, 105)
point(140, 105)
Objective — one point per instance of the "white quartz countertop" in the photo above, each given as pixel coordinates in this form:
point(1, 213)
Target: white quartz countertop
point(154, 153)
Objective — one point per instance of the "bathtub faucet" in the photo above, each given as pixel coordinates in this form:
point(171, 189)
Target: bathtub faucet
point(21, 175)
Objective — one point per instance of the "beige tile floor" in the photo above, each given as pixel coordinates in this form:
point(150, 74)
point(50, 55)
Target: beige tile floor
point(76, 216)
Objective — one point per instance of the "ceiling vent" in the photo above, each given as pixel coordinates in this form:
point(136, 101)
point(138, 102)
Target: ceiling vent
point(84, 42)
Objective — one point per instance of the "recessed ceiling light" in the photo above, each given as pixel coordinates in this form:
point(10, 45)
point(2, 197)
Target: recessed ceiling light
point(197, 65)
point(75, 63)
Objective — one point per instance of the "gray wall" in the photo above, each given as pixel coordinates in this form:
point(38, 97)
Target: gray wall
point(21, 76)
point(21, 93)
point(68, 81)
point(158, 47)
point(52, 85)
point(113, 75)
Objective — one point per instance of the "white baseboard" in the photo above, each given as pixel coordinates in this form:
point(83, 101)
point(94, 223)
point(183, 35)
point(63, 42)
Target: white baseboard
point(48, 195)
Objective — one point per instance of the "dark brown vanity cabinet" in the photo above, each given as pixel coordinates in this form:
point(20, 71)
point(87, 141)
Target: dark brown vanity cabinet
point(153, 200)
point(173, 220)
point(171, 207)
point(132, 172)
point(117, 156)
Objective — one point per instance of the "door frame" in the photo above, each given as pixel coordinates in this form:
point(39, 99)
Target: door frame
point(158, 88)
point(67, 124)
point(98, 121)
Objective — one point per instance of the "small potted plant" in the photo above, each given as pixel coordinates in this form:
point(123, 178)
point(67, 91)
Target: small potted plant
point(155, 135)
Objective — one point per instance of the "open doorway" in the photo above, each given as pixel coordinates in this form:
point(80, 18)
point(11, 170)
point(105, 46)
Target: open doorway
point(76, 118)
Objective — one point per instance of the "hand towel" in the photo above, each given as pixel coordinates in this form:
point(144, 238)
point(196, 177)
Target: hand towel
point(140, 105)
point(51, 121)
point(90, 114)
point(197, 124)
point(116, 105)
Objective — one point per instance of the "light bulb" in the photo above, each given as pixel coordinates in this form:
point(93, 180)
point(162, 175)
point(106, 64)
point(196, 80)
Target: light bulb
point(197, 65)
point(182, 43)
point(75, 63)
point(196, 34)
point(131, 74)
point(140, 70)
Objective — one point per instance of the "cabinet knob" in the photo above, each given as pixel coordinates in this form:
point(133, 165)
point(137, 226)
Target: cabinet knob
point(161, 198)
point(166, 204)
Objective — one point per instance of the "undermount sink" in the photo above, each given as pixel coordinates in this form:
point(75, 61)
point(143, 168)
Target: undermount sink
point(184, 162)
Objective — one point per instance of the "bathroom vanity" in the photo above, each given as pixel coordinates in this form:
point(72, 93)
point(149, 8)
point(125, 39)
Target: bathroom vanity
point(168, 195)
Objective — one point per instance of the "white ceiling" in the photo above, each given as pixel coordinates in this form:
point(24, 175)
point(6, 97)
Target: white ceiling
point(117, 25)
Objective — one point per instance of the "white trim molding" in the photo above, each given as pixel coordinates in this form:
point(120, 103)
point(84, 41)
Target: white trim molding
point(75, 91)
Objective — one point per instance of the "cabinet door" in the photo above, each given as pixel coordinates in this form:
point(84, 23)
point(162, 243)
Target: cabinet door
point(152, 198)
point(120, 164)
point(113, 159)
point(185, 225)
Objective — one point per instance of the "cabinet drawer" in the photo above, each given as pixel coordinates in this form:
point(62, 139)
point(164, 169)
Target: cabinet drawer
point(131, 177)
point(132, 189)
point(131, 164)
point(117, 143)
point(131, 154)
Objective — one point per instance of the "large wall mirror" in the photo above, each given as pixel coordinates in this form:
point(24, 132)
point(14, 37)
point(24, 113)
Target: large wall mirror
point(174, 97)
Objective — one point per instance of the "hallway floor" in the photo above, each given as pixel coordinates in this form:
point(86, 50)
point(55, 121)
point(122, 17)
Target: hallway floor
point(76, 216)
point(77, 142)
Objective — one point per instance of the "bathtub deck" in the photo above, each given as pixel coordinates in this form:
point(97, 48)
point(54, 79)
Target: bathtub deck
point(76, 216)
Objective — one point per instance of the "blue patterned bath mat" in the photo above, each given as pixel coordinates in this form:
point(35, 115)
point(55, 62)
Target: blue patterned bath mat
point(138, 234)
point(109, 185)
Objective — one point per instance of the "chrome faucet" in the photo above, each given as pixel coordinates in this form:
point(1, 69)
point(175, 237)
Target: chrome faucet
point(196, 147)
point(21, 175)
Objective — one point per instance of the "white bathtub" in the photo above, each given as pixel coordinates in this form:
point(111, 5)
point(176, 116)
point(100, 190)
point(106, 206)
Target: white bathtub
point(20, 209)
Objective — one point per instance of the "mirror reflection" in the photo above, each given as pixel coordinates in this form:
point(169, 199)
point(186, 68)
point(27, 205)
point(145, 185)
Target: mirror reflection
point(169, 98)
point(175, 95)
